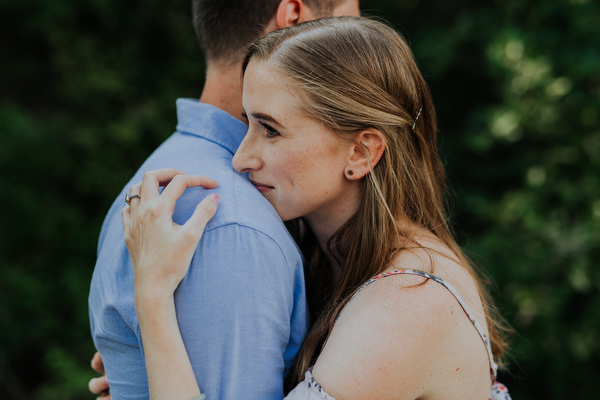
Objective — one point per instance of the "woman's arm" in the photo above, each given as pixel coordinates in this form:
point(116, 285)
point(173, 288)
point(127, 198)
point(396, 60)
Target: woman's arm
point(161, 251)
point(170, 374)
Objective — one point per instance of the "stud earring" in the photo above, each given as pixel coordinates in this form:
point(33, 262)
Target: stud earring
point(350, 172)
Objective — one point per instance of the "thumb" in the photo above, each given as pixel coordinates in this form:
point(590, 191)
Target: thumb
point(204, 212)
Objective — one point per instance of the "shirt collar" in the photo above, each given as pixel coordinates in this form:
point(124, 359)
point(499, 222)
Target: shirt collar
point(211, 123)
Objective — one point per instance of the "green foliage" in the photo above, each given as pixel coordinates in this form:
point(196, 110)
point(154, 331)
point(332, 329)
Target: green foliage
point(87, 91)
point(517, 90)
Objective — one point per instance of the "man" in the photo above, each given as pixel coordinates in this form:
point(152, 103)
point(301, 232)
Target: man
point(241, 308)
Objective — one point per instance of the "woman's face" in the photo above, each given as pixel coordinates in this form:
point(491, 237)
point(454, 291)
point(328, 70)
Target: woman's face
point(294, 161)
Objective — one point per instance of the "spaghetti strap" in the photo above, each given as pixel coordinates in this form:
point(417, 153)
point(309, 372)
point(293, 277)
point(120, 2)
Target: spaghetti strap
point(493, 366)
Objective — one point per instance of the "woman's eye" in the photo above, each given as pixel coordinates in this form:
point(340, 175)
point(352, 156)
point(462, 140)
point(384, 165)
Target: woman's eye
point(271, 133)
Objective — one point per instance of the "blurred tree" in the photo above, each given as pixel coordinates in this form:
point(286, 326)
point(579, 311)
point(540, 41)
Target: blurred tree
point(517, 89)
point(87, 91)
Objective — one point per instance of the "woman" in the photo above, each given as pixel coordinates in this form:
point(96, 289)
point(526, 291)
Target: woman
point(342, 134)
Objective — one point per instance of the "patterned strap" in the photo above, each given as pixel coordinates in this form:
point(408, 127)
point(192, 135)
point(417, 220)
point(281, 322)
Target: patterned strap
point(493, 366)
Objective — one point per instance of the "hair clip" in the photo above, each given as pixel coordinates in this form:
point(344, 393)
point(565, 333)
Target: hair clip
point(416, 119)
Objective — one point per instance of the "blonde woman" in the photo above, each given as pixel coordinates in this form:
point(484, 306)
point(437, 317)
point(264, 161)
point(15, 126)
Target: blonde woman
point(342, 136)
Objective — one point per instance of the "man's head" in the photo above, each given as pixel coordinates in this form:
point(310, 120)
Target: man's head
point(225, 27)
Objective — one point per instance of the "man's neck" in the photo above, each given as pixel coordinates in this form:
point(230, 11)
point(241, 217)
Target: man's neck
point(223, 89)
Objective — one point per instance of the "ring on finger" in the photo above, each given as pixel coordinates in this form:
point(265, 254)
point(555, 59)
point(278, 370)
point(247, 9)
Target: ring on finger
point(128, 198)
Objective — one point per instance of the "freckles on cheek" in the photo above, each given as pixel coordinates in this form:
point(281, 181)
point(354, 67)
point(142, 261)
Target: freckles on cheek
point(295, 166)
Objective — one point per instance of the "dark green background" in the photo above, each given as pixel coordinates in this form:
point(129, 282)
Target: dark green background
point(87, 90)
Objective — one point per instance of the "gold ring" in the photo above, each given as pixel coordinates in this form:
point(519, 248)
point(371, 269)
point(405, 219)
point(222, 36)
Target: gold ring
point(128, 198)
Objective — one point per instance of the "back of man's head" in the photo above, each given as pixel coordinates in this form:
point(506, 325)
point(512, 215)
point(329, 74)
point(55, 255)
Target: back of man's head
point(225, 27)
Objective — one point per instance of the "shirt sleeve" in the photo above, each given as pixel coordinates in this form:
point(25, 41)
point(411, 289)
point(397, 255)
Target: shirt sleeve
point(242, 314)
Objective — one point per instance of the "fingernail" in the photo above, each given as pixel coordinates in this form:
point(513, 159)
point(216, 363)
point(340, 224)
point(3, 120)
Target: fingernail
point(215, 198)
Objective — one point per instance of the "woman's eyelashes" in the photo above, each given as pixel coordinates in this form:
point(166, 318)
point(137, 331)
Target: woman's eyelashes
point(270, 132)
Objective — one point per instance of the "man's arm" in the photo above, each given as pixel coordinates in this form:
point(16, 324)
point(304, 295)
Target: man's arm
point(242, 313)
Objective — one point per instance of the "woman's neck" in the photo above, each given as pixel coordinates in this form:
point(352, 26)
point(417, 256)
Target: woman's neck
point(327, 220)
point(411, 236)
point(324, 229)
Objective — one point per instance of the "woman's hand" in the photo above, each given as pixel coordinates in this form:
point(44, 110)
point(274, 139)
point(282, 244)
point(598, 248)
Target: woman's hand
point(99, 385)
point(161, 252)
point(160, 249)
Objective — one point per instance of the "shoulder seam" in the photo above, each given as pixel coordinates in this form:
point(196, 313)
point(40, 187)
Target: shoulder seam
point(287, 261)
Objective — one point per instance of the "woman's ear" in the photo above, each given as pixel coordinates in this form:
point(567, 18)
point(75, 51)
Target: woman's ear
point(365, 152)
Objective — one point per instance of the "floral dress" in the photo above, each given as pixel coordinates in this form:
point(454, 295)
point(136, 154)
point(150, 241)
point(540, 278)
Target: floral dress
point(309, 389)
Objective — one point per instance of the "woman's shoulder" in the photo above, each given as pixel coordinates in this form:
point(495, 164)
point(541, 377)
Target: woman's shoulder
point(404, 335)
point(432, 256)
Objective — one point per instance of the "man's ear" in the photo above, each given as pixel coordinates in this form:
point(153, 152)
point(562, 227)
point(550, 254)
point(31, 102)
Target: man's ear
point(365, 152)
point(289, 13)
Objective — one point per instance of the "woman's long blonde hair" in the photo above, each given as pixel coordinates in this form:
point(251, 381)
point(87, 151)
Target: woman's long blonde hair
point(355, 74)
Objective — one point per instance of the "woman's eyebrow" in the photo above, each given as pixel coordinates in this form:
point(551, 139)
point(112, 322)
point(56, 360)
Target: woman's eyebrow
point(265, 117)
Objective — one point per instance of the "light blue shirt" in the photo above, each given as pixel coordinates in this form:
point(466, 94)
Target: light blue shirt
point(241, 308)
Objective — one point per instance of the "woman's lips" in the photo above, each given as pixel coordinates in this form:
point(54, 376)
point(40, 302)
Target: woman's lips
point(261, 187)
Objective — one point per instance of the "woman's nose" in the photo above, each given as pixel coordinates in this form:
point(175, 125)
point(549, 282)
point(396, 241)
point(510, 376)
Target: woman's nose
point(245, 159)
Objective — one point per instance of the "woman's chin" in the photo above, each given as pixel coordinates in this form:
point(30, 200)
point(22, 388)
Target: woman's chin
point(285, 215)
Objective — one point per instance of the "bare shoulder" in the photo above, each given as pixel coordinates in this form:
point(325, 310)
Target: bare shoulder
point(404, 337)
point(435, 257)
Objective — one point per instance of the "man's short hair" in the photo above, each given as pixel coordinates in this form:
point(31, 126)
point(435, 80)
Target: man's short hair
point(225, 27)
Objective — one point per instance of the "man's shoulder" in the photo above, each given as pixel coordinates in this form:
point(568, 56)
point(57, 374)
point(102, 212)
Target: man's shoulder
point(244, 219)
point(241, 204)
